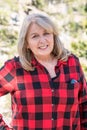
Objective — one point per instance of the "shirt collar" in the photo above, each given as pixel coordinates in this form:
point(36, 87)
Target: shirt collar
point(61, 62)
point(35, 63)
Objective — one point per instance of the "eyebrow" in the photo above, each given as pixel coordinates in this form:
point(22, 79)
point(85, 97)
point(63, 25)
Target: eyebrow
point(37, 32)
point(31, 34)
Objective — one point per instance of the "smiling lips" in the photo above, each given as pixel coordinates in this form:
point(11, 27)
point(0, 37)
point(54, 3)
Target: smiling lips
point(43, 47)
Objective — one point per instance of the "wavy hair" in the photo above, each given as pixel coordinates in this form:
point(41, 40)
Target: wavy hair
point(44, 21)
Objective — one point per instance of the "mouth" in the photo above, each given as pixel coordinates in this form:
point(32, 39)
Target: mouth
point(43, 47)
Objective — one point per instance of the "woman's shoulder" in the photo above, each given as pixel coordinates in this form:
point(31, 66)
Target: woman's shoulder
point(11, 63)
point(73, 59)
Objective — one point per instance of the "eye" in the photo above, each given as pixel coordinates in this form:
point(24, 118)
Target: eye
point(46, 33)
point(35, 36)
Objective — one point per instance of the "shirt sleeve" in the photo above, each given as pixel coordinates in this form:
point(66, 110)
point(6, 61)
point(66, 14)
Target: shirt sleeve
point(6, 86)
point(7, 77)
point(83, 99)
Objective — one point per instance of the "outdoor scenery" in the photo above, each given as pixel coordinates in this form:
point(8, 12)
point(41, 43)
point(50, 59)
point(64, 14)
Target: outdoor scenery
point(69, 15)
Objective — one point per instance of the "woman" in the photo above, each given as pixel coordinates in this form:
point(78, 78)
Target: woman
point(46, 81)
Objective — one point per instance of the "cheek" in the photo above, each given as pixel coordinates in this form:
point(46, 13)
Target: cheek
point(30, 44)
point(52, 42)
point(51, 39)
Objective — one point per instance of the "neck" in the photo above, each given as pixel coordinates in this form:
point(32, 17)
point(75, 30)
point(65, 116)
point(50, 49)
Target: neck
point(48, 59)
point(47, 62)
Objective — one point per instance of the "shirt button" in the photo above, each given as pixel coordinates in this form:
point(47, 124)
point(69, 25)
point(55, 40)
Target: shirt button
point(52, 104)
point(52, 90)
point(52, 119)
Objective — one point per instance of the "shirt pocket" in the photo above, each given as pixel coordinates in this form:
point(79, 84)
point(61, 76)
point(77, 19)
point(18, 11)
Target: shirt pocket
point(68, 93)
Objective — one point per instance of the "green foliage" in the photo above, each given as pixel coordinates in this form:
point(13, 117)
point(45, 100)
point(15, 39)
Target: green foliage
point(4, 17)
point(39, 4)
point(80, 48)
point(74, 27)
point(84, 24)
point(84, 69)
point(85, 9)
point(9, 36)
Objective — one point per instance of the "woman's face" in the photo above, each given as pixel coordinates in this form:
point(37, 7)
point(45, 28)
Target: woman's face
point(40, 42)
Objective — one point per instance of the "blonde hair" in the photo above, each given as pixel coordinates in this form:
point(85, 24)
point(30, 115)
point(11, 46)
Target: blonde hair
point(44, 21)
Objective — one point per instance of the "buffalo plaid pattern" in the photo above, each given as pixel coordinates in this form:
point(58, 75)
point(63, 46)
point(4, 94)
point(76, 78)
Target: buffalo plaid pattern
point(40, 102)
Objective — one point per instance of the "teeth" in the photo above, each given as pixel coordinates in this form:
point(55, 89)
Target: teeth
point(43, 47)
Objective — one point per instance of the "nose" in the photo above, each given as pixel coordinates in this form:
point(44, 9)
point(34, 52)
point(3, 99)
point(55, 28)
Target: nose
point(42, 39)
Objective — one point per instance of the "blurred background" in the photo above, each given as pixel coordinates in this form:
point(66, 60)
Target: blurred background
point(69, 15)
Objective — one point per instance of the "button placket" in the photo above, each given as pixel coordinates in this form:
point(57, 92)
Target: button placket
point(53, 104)
point(53, 97)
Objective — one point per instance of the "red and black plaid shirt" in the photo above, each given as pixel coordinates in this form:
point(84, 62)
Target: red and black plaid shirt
point(40, 102)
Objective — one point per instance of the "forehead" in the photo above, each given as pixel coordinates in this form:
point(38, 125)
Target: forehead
point(35, 28)
point(40, 25)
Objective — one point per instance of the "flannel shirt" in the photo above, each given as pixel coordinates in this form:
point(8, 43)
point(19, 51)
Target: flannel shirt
point(40, 102)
